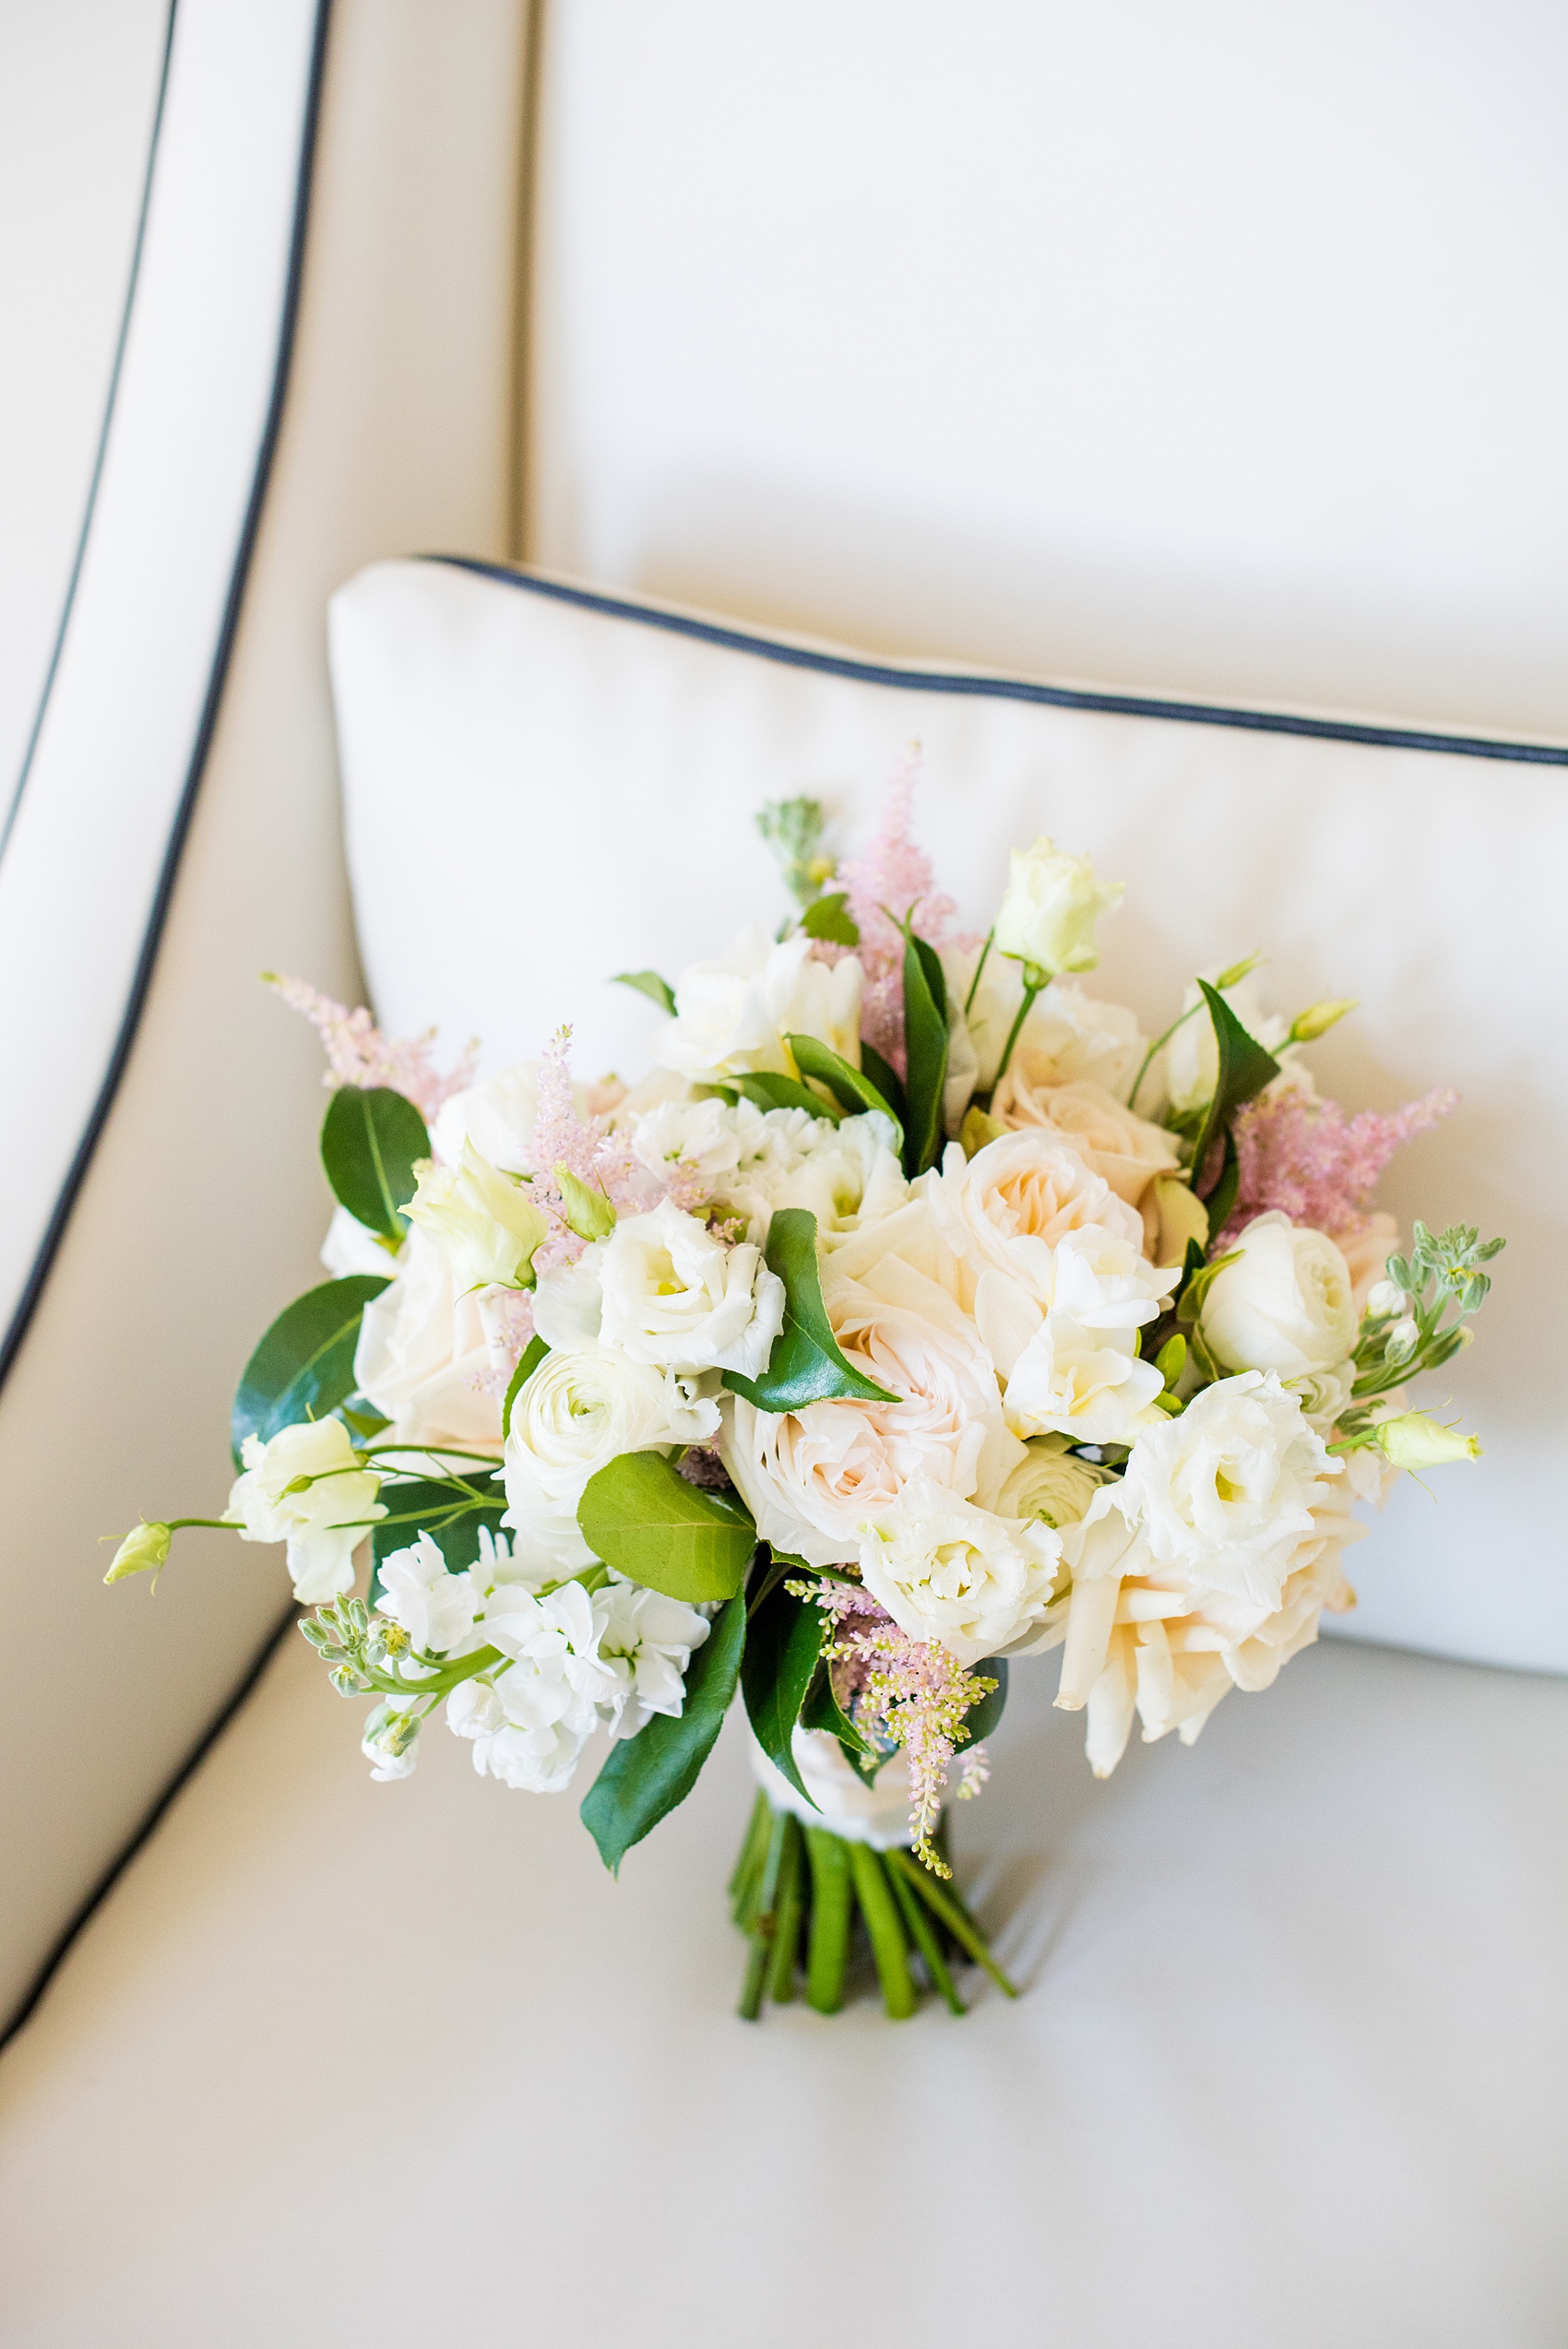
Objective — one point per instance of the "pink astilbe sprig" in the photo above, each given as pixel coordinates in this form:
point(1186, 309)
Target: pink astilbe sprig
point(902, 1693)
point(893, 875)
point(589, 1147)
point(357, 1054)
point(1319, 1167)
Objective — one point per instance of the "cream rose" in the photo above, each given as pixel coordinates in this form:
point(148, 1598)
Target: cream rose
point(732, 1017)
point(424, 1356)
point(675, 1297)
point(324, 1522)
point(574, 1414)
point(948, 1572)
point(814, 1478)
point(1286, 1304)
point(1067, 1036)
point(1005, 1208)
point(1052, 906)
point(1126, 1149)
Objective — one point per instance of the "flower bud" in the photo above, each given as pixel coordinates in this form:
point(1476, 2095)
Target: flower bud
point(1415, 1440)
point(588, 1213)
point(1318, 1018)
point(146, 1545)
point(1385, 1299)
point(1049, 914)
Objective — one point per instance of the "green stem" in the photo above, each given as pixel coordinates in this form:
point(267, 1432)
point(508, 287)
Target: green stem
point(1013, 1033)
point(1158, 1046)
point(974, 983)
point(832, 1905)
point(223, 1524)
point(762, 1929)
point(781, 1986)
point(748, 1866)
point(953, 1915)
point(923, 1936)
point(888, 1947)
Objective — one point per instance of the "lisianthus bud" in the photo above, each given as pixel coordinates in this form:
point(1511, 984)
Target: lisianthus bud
point(486, 1223)
point(1049, 914)
point(1318, 1018)
point(144, 1546)
point(588, 1210)
point(1415, 1440)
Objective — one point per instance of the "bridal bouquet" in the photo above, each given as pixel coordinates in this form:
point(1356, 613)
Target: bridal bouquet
point(915, 1315)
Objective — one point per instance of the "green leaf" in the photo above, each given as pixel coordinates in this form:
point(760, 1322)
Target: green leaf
point(647, 982)
point(884, 1076)
point(982, 1719)
point(418, 1505)
point(925, 1053)
point(305, 1366)
point(370, 1139)
point(830, 919)
point(783, 1646)
point(641, 1516)
point(648, 1775)
point(772, 1091)
point(533, 1355)
point(821, 1710)
point(850, 1088)
point(805, 1365)
point(1244, 1069)
point(1222, 1199)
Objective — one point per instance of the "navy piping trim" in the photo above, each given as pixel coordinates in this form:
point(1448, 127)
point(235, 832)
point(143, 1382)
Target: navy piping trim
point(141, 981)
point(34, 1995)
point(112, 394)
point(1011, 689)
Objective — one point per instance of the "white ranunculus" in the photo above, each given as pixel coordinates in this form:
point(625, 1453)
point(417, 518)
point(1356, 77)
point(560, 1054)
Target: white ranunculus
point(1069, 1037)
point(530, 1722)
point(571, 1417)
point(647, 1640)
point(838, 1797)
point(812, 1479)
point(1227, 1490)
point(436, 1609)
point(677, 1298)
point(1052, 905)
point(495, 1118)
point(948, 1572)
point(486, 1223)
point(323, 1522)
point(1191, 1060)
point(731, 1016)
point(1051, 1484)
point(1006, 1209)
point(424, 1355)
point(1286, 1304)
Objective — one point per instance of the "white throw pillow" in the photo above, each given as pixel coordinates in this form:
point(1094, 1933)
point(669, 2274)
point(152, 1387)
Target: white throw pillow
point(545, 787)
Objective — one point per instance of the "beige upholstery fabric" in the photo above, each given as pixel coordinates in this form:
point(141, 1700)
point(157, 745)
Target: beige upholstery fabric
point(343, 2064)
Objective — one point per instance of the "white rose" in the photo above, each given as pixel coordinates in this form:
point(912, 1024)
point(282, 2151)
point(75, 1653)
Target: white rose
point(732, 1017)
point(1286, 1304)
point(1068, 1034)
point(675, 1297)
point(1191, 1057)
point(571, 1417)
point(1126, 1149)
point(812, 1479)
point(1051, 1484)
point(323, 1522)
point(1227, 1490)
point(487, 1224)
point(646, 1642)
point(948, 1572)
point(497, 1118)
point(1005, 1208)
point(436, 1609)
point(1050, 908)
point(424, 1358)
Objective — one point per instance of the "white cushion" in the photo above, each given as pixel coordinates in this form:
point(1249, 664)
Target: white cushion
point(343, 2063)
point(544, 789)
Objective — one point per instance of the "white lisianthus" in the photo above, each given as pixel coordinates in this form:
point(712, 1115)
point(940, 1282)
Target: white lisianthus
point(1191, 1058)
point(1069, 1037)
point(731, 1016)
point(486, 1223)
point(1052, 906)
point(1227, 1490)
point(675, 1297)
point(436, 1609)
point(531, 1721)
point(1051, 1484)
point(323, 1522)
point(646, 1642)
point(1006, 1209)
point(574, 1414)
point(1087, 1384)
point(425, 1358)
point(812, 1478)
point(948, 1572)
point(1285, 1303)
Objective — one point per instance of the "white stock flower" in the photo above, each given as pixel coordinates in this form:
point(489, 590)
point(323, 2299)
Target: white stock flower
point(846, 1175)
point(1006, 1209)
point(323, 1523)
point(646, 1642)
point(1051, 1483)
point(485, 1222)
point(948, 1572)
point(576, 1413)
point(424, 1355)
point(1286, 1304)
point(1227, 1490)
point(436, 1609)
point(1191, 1058)
point(531, 1721)
point(812, 1478)
point(731, 1016)
point(675, 1297)
point(1050, 908)
point(1069, 1037)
